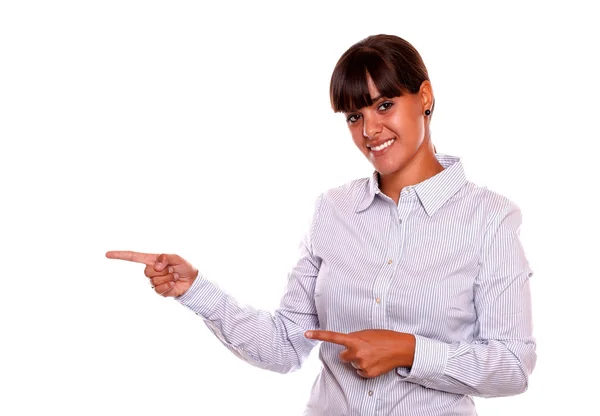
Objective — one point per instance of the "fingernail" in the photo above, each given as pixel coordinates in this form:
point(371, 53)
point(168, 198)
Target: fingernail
point(171, 284)
point(176, 276)
point(159, 265)
point(308, 334)
point(170, 270)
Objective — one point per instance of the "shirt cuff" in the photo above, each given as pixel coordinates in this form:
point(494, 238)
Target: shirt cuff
point(202, 296)
point(431, 357)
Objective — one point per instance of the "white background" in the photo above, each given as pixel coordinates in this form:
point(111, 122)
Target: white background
point(206, 131)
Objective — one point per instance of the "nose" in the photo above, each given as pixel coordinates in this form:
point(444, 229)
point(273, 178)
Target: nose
point(371, 126)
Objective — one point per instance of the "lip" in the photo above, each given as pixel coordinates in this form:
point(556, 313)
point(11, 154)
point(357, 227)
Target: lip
point(378, 153)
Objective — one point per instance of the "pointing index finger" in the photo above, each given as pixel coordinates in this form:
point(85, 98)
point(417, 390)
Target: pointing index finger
point(134, 256)
point(330, 336)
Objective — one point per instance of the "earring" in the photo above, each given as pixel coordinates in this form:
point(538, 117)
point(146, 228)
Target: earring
point(427, 112)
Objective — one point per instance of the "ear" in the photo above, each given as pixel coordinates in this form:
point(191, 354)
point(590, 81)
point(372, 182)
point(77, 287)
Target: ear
point(426, 94)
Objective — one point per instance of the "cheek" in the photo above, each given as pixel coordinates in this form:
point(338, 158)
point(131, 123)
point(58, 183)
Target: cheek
point(416, 124)
point(409, 129)
point(405, 120)
point(357, 138)
point(416, 131)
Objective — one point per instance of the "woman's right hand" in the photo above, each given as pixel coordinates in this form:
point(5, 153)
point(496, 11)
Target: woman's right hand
point(170, 274)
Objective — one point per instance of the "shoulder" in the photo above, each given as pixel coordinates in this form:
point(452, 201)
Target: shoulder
point(496, 212)
point(347, 195)
point(340, 199)
point(489, 202)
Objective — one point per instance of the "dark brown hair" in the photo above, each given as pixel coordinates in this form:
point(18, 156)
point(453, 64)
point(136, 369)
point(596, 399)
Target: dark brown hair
point(394, 65)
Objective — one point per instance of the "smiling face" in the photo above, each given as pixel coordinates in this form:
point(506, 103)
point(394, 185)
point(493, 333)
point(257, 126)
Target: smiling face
point(392, 131)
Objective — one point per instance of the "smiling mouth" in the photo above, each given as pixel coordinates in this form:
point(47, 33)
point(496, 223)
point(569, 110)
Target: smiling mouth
point(381, 146)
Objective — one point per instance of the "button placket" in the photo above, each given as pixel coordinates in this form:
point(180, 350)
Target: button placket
point(370, 401)
point(385, 276)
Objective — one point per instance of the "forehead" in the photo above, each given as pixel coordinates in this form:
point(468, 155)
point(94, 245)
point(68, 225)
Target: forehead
point(373, 91)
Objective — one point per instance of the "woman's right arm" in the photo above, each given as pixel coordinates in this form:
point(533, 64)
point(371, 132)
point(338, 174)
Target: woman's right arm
point(273, 341)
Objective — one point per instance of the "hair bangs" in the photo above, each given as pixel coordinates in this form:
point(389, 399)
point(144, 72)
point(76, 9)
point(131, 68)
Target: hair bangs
point(349, 89)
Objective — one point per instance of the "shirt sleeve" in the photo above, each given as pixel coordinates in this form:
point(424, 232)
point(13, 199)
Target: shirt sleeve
point(501, 355)
point(273, 341)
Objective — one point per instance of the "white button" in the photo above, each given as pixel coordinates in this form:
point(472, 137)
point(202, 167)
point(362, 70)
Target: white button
point(377, 300)
point(389, 261)
point(370, 392)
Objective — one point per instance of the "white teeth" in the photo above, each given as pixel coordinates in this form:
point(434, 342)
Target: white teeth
point(383, 145)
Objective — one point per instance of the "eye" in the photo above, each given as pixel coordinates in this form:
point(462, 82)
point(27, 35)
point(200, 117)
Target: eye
point(386, 105)
point(352, 118)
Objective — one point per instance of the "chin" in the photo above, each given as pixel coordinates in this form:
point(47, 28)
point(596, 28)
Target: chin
point(388, 167)
point(386, 170)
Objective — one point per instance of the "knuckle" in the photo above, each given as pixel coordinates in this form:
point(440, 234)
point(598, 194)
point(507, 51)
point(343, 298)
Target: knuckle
point(161, 288)
point(154, 273)
point(162, 279)
point(166, 290)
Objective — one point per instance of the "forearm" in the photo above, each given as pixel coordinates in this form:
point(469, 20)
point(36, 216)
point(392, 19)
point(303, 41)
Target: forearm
point(487, 369)
point(270, 341)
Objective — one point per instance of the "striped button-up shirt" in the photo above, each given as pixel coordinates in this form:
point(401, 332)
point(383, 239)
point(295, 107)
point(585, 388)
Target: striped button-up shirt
point(444, 264)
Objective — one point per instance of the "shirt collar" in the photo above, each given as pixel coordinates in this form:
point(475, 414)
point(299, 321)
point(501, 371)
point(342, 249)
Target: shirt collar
point(433, 193)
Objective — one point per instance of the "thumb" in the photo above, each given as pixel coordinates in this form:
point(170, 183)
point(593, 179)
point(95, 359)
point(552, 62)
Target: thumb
point(161, 262)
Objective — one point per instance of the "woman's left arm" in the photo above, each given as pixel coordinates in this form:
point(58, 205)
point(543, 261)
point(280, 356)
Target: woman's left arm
point(501, 355)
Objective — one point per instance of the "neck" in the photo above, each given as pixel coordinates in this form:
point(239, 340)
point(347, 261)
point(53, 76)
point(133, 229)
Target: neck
point(422, 166)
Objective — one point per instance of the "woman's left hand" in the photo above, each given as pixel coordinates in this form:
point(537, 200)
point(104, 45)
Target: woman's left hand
point(371, 352)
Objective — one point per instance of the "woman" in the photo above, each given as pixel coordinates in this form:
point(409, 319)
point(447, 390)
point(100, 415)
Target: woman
point(414, 279)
